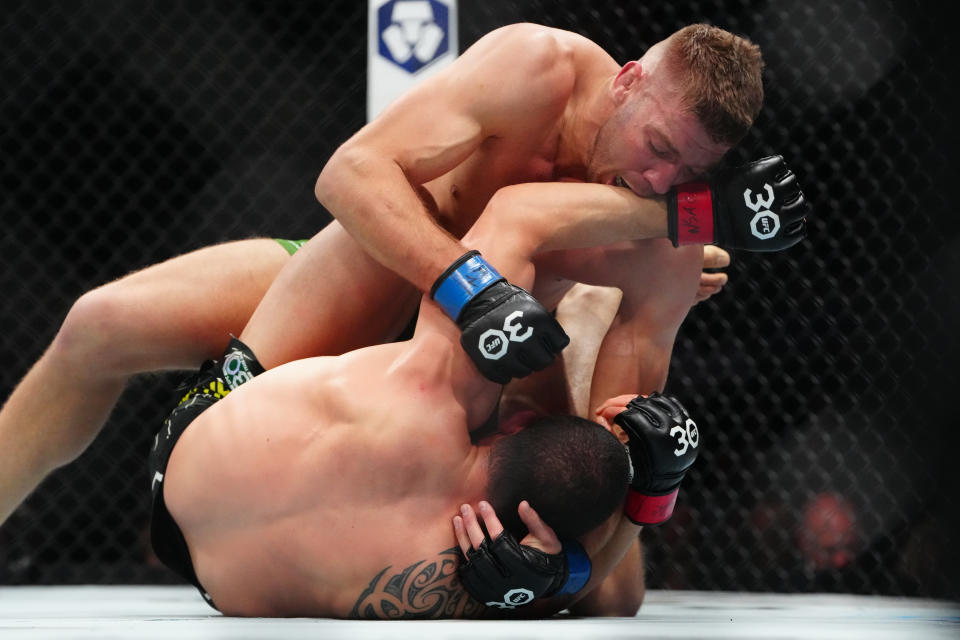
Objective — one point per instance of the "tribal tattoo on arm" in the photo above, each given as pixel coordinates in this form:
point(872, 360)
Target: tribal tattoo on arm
point(425, 589)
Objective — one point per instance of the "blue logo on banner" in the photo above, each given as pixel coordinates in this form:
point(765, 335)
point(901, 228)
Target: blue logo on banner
point(413, 33)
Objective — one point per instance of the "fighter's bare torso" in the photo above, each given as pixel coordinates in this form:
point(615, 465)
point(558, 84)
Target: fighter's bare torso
point(318, 502)
point(315, 489)
point(548, 145)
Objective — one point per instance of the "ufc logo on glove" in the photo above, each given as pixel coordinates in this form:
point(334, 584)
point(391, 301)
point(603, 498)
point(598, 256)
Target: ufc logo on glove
point(766, 223)
point(727, 211)
point(513, 599)
point(488, 310)
point(494, 343)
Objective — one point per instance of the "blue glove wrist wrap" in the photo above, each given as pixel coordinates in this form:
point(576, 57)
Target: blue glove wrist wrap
point(579, 565)
point(465, 278)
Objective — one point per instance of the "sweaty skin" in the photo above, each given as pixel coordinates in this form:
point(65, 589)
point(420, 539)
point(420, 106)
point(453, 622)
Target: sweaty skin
point(304, 489)
point(524, 104)
point(290, 515)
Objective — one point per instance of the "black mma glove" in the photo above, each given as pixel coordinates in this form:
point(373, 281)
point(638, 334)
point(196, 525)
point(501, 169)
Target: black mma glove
point(506, 574)
point(505, 331)
point(756, 207)
point(664, 442)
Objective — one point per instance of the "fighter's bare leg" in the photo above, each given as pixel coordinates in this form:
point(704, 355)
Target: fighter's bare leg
point(168, 316)
point(659, 284)
point(627, 341)
point(585, 312)
point(617, 340)
point(331, 298)
point(622, 323)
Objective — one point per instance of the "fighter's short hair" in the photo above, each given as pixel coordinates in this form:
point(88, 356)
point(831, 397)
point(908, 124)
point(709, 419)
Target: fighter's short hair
point(572, 471)
point(722, 78)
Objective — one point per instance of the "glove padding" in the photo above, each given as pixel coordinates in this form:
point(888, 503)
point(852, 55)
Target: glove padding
point(505, 331)
point(664, 442)
point(756, 207)
point(508, 334)
point(506, 574)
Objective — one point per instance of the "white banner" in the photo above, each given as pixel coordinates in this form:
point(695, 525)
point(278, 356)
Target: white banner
point(407, 41)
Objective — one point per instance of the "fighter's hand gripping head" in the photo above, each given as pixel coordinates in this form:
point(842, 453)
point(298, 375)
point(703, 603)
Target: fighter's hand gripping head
point(505, 331)
point(506, 574)
point(664, 442)
point(757, 207)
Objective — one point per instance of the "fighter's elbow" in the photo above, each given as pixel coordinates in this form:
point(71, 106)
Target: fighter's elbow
point(629, 604)
point(624, 601)
point(346, 167)
point(512, 208)
point(327, 181)
point(624, 604)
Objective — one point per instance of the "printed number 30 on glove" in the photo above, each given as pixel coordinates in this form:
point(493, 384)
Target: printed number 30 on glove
point(756, 207)
point(504, 330)
point(663, 444)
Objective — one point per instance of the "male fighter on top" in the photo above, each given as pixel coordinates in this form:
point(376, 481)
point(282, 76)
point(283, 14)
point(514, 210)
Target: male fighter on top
point(525, 103)
point(324, 486)
point(673, 96)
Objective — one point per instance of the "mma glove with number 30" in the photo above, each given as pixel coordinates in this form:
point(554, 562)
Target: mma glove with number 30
point(504, 330)
point(663, 445)
point(757, 207)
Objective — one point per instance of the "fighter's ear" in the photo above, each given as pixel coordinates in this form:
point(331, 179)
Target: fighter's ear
point(626, 79)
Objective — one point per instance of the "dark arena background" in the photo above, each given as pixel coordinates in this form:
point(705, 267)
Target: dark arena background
point(822, 377)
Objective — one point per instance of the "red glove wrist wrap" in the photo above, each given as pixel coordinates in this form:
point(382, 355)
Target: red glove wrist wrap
point(694, 214)
point(644, 509)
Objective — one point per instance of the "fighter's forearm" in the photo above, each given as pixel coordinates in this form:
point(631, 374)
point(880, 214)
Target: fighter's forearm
point(621, 593)
point(541, 217)
point(374, 201)
point(633, 358)
point(617, 585)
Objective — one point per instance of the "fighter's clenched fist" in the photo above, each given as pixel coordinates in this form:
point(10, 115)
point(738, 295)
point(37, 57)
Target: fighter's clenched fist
point(664, 442)
point(757, 207)
point(505, 331)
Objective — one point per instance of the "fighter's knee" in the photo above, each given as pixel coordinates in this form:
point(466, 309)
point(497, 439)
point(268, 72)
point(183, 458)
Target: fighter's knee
point(671, 278)
point(684, 263)
point(88, 328)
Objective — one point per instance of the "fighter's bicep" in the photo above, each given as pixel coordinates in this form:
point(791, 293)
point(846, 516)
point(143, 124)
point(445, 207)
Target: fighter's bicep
point(507, 87)
point(427, 132)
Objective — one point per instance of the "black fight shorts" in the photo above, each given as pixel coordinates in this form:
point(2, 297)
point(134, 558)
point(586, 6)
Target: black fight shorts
point(216, 379)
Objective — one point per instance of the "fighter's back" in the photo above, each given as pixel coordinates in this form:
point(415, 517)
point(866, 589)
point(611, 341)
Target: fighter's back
point(307, 489)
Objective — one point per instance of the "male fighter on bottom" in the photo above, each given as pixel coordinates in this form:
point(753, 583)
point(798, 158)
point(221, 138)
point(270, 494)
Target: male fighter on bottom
point(324, 486)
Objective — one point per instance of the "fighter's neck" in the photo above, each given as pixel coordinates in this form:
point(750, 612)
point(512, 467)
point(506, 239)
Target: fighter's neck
point(477, 472)
point(586, 112)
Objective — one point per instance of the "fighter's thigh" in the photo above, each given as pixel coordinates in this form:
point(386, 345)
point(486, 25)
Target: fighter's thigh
point(176, 313)
point(330, 299)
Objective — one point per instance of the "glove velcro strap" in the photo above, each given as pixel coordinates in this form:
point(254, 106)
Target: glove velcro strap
point(694, 222)
point(643, 509)
point(578, 564)
point(462, 280)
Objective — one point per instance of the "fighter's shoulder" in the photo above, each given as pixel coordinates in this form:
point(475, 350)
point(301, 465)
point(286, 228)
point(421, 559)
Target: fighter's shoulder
point(531, 48)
